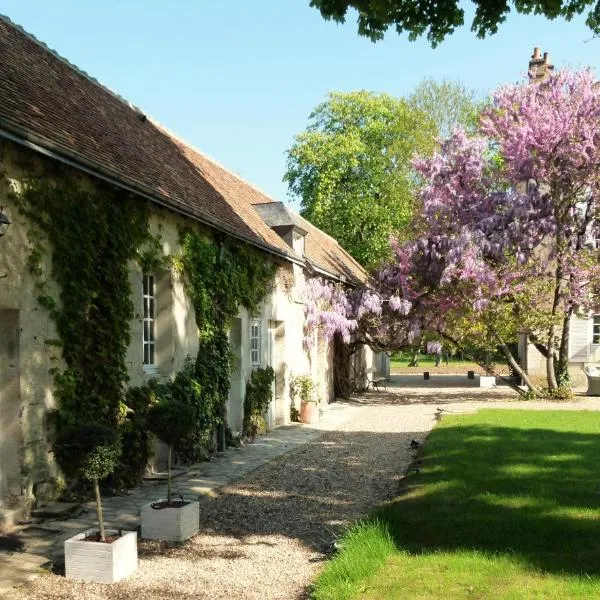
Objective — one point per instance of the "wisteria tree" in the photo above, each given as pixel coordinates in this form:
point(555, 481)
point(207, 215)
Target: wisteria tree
point(506, 221)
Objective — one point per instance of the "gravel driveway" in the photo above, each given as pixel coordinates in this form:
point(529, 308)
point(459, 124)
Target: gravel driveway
point(264, 537)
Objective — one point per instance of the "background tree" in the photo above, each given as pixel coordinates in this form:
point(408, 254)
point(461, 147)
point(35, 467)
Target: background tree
point(439, 19)
point(351, 169)
point(449, 103)
point(506, 226)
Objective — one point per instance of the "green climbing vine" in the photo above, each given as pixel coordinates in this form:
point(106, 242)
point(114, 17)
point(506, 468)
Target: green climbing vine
point(257, 400)
point(221, 275)
point(92, 235)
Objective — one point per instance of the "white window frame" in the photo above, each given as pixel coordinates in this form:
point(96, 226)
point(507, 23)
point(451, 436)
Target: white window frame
point(149, 322)
point(596, 330)
point(255, 332)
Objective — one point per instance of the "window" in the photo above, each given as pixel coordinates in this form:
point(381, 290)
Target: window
point(596, 330)
point(255, 343)
point(149, 302)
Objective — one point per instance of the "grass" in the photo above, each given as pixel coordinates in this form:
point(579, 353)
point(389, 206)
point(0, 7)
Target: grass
point(506, 505)
point(428, 360)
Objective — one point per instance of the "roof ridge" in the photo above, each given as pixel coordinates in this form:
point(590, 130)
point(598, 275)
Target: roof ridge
point(71, 65)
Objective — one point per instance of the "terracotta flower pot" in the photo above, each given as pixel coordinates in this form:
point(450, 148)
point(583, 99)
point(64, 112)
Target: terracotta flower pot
point(309, 412)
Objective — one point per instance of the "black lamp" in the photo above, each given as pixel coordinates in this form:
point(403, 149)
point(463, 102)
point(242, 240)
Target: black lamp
point(4, 223)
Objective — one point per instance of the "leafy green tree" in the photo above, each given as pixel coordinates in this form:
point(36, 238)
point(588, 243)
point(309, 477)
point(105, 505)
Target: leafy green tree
point(351, 169)
point(449, 103)
point(439, 19)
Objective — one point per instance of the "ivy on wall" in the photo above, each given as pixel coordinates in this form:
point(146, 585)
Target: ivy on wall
point(220, 275)
point(258, 397)
point(93, 234)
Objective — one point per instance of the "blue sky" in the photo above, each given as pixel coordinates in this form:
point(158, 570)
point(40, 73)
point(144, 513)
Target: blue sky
point(238, 79)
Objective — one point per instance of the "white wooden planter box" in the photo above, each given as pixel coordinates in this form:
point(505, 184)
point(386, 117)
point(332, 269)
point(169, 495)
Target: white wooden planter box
point(100, 562)
point(487, 382)
point(170, 524)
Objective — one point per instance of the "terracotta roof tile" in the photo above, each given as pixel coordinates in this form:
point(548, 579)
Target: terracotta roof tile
point(320, 248)
point(49, 101)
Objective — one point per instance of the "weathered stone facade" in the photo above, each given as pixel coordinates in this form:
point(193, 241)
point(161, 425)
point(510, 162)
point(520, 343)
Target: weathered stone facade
point(27, 470)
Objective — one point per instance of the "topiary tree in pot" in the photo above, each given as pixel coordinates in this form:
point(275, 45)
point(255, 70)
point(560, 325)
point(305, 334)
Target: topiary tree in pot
point(94, 450)
point(170, 420)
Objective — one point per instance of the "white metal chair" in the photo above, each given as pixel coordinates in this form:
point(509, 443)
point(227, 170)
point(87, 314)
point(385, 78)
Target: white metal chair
point(593, 378)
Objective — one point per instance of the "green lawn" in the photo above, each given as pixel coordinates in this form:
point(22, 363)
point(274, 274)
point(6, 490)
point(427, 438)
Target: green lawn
point(506, 505)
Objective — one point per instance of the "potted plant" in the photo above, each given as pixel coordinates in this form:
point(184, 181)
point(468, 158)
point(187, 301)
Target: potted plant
point(100, 555)
point(303, 387)
point(169, 519)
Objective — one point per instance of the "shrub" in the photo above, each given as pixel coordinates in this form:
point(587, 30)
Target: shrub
point(135, 437)
point(259, 394)
point(304, 388)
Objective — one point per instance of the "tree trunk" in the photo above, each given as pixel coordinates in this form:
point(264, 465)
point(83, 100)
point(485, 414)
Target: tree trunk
point(341, 367)
point(169, 475)
point(550, 372)
point(99, 511)
point(562, 370)
point(516, 366)
point(509, 357)
point(414, 361)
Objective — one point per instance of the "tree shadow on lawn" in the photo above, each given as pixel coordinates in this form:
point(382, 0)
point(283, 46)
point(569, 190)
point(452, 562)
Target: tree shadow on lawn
point(531, 493)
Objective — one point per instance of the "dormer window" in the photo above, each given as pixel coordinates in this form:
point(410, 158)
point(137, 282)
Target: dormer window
point(285, 223)
point(298, 243)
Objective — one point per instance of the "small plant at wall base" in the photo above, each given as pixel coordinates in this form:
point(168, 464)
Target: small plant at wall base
point(95, 450)
point(259, 393)
point(170, 421)
point(303, 388)
point(135, 437)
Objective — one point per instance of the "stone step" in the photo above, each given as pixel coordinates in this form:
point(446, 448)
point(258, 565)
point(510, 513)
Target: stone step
point(55, 510)
point(12, 516)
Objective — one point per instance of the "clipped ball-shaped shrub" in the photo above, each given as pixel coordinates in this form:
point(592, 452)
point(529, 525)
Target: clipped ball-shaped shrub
point(91, 449)
point(170, 420)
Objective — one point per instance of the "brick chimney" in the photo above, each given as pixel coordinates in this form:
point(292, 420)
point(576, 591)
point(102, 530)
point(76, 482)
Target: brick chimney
point(539, 66)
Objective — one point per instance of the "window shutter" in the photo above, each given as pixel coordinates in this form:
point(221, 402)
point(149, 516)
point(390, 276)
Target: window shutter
point(579, 339)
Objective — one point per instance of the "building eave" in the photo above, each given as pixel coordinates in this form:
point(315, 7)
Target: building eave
point(46, 148)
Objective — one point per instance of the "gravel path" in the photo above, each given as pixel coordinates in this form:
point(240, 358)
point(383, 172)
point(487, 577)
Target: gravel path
point(263, 537)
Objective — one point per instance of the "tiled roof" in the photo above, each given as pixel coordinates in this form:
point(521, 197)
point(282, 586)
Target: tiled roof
point(47, 101)
point(321, 249)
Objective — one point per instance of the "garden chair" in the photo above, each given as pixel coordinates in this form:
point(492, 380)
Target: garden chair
point(593, 378)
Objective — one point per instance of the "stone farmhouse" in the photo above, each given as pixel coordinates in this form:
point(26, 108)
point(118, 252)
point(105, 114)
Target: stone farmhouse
point(54, 115)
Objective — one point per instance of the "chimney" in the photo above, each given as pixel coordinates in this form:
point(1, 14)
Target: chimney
point(539, 66)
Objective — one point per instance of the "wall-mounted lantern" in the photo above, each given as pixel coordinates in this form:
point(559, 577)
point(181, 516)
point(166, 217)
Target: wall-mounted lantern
point(4, 222)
